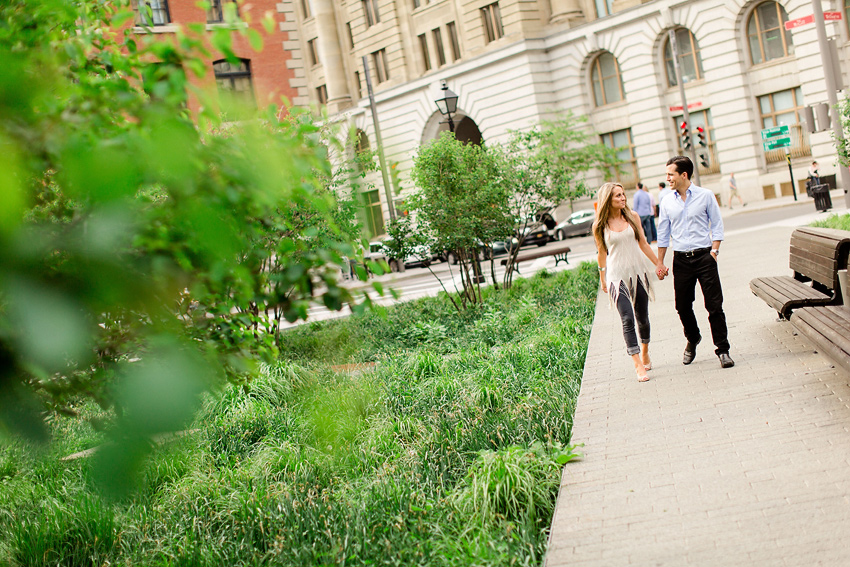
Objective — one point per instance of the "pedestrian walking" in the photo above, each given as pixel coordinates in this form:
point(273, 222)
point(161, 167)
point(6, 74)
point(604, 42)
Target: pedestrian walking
point(642, 205)
point(663, 191)
point(733, 191)
point(625, 262)
point(812, 178)
point(691, 217)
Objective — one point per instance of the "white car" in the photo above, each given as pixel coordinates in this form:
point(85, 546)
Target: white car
point(579, 223)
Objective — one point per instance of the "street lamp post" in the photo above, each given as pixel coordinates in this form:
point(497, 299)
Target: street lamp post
point(447, 104)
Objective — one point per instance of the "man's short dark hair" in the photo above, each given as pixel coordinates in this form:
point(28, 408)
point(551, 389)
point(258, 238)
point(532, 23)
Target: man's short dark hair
point(662, 185)
point(640, 185)
point(683, 165)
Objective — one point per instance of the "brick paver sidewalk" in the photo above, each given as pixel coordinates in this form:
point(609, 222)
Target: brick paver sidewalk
point(705, 466)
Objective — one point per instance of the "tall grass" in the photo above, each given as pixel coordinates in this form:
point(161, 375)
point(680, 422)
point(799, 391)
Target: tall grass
point(841, 222)
point(447, 453)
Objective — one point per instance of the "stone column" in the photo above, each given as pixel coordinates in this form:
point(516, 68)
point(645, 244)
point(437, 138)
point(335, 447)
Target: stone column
point(330, 55)
point(566, 11)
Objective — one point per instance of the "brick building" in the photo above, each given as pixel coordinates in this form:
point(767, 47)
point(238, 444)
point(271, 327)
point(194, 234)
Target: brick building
point(262, 78)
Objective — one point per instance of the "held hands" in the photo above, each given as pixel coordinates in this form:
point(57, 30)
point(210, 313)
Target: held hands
point(661, 271)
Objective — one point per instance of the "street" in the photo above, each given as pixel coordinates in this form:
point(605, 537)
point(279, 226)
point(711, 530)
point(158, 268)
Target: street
point(421, 282)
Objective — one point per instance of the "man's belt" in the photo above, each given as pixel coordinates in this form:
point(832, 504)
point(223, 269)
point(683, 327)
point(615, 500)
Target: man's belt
point(693, 253)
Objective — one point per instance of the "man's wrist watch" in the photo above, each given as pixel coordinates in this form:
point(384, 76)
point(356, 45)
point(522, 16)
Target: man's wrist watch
point(715, 251)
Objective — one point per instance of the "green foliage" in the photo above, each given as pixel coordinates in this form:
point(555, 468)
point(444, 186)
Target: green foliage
point(546, 166)
point(515, 483)
point(144, 258)
point(462, 202)
point(446, 453)
point(841, 222)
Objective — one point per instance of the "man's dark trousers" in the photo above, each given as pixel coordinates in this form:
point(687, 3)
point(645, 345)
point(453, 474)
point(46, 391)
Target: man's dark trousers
point(687, 271)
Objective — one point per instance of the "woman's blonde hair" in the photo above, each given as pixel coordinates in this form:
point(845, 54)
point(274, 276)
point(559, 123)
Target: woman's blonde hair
point(604, 211)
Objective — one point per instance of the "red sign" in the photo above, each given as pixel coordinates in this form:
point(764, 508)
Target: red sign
point(810, 19)
point(690, 106)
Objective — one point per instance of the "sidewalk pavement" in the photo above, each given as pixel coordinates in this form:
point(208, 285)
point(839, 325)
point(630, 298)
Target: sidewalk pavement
point(706, 466)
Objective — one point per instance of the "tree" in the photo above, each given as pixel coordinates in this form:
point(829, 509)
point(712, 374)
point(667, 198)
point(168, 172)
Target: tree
point(546, 166)
point(462, 201)
point(139, 252)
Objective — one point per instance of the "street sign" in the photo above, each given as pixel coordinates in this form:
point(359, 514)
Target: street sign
point(776, 143)
point(770, 133)
point(810, 19)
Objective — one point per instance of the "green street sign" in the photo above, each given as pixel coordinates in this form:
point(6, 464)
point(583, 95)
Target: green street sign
point(776, 132)
point(776, 143)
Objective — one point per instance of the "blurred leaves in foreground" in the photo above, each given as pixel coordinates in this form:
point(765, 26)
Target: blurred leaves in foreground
point(144, 258)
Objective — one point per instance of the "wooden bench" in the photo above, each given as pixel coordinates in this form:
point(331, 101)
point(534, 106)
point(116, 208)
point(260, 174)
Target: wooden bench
point(559, 251)
point(816, 255)
point(828, 327)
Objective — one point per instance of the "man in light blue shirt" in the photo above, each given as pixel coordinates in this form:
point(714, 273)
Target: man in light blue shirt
point(691, 216)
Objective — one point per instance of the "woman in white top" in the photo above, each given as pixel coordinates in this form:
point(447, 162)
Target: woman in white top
point(626, 262)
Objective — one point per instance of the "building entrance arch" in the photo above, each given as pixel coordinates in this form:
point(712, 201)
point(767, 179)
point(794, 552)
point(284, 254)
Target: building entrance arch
point(466, 130)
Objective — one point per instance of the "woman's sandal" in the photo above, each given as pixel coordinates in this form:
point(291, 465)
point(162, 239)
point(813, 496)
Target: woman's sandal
point(642, 377)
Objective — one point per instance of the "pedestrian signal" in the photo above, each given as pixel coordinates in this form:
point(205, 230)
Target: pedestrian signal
point(703, 160)
point(686, 136)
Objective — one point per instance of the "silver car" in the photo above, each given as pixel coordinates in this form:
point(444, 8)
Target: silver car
point(579, 224)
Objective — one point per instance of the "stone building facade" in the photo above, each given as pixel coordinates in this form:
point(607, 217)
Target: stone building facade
point(515, 62)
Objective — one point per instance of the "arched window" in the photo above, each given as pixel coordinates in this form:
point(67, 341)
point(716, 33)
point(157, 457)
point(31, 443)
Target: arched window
point(606, 80)
point(767, 35)
point(690, 62)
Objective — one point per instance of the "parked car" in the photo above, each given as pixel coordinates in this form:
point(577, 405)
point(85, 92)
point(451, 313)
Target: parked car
point(578, 224)
point(536, 234)
point(420, 257)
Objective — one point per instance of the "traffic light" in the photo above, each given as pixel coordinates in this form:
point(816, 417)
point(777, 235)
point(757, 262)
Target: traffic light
point(701, 136)
point(686, 136)
point(703, 160)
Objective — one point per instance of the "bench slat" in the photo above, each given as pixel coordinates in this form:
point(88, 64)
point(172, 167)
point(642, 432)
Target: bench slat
point(541, 253)
point(819, 271)
point(783, 293)
point(828, 328)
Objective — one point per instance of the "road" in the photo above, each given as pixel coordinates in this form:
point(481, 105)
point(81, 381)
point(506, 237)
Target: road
point(420, 282)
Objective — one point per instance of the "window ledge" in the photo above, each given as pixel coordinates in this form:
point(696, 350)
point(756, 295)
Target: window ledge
point(772, 62)
point(227, 26)
point(167, 28)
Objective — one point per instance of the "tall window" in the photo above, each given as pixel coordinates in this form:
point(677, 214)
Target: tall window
point(438, 45)
point(452, 29)
point(234, 81)
point(314, 53)
point(374, 214)
point(322, 94)
point(350, 35)
point(426, 58)
point(785, 108)
point(606, 80)
point(780, 108)
point(358, 88)
point(151, 12)
point(604, 8)
point(690, 61)
point(305, 9)
point(621, 140)
point(767, 35)
point(382, 69)
point(370, 9)
point(492, 19)
point(847, 13)
point(216, 12)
